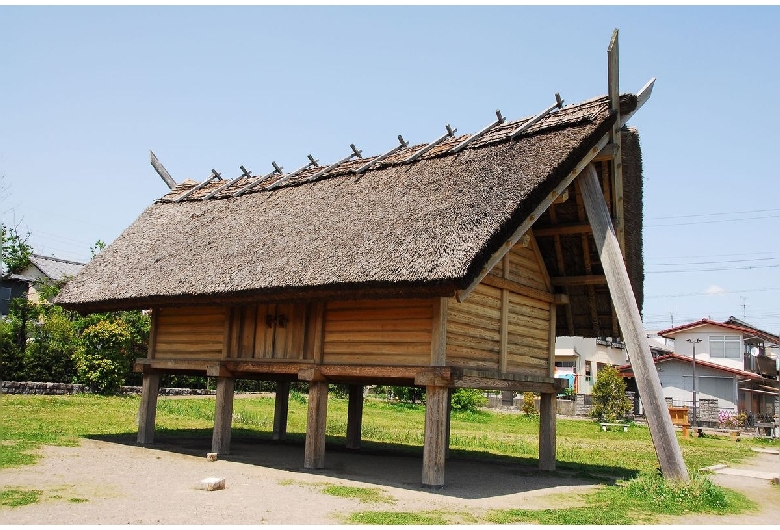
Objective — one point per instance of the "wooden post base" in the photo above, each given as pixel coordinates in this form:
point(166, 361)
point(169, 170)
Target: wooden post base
point(147, 411)
point(316, 419)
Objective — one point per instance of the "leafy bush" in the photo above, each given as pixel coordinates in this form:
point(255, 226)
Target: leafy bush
point(529, 407)
point(409, 394)
point(100, 358)
point(610, 402)
point(467, 399)
point(51, 343)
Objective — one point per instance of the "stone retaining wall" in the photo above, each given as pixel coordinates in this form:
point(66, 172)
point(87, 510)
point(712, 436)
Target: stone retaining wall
point(59, 389)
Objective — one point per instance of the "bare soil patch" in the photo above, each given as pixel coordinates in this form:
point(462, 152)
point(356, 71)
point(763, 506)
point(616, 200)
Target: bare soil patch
point(265, 484)
point(116, 482)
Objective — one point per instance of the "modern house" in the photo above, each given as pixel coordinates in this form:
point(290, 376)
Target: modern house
point(744, 357)
point(736, 368)
point(580, 359)
point(40, 268)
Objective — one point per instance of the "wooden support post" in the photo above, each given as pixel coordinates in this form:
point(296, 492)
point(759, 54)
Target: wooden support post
point(316, 419)
point(547, 448)
point(435, 435)
point(648, 382)
point(147, 412)
point(354, 416)
point(281, 403)
point(223, 416)
point(616, 163)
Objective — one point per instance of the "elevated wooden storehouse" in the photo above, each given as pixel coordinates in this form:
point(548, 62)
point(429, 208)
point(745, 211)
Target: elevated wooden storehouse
point(446, 265)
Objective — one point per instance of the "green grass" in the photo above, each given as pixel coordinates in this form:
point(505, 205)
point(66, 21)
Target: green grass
point(367, 495)
point(27, 422)
point(638, 501)
point(405, 518)
point(18, 497)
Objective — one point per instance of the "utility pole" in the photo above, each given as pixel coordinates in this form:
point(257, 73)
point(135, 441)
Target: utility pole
point(694, 343)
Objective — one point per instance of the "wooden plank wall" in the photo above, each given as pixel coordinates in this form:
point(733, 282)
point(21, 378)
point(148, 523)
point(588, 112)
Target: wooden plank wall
point(529, 319)
point(497, 329)
point(378, 332)
point(473, 329)
point(189, 333)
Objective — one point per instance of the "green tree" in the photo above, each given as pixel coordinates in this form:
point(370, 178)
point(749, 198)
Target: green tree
point(14, 249)
point(610, 402)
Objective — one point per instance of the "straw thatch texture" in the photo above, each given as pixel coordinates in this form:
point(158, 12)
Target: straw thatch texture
point(404, 229)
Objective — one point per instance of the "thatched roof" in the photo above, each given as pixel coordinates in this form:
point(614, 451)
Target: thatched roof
point(422, 228)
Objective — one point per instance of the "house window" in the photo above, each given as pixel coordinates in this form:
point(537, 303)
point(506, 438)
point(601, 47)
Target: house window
point(5, 293)
point(725, 346)
point(587, 371)
point(565, 364)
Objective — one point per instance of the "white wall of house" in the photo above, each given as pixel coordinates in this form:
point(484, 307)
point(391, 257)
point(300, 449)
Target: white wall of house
point(677, 383)
point(717, 345)
point(32, 273)
point(581, 350)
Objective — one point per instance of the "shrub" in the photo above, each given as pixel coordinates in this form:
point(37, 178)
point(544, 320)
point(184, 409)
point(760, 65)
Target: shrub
point(529, 407)
point(409, 394)
point(467, 399)
point(100, 358)
point(610, 402)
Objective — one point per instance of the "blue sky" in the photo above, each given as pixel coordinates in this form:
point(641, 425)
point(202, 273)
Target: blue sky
point(88, 91)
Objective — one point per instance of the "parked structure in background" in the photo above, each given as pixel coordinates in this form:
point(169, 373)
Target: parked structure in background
point(579, 360)
point(736, 370)
point(23, 284)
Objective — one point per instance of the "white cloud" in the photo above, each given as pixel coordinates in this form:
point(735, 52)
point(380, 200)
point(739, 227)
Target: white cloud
point(715, 290)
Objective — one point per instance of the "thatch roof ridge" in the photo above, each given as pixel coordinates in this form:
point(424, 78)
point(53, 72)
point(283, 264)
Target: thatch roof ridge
point(568, 115)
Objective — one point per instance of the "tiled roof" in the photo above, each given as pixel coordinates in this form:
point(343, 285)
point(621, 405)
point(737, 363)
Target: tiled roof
point(749, 330)
point(627, 371)
point(55, 268)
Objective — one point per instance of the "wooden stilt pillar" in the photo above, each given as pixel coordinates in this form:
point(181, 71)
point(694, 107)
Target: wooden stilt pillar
point(547, 448)
point(281, 403)
point(316, 419)
point(435, 435)
point(223, 416)
point(647, 380)
point(147, 412)
point(354, 416)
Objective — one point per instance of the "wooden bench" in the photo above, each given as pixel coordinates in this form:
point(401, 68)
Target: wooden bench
point(767, 427)
point(606, 426)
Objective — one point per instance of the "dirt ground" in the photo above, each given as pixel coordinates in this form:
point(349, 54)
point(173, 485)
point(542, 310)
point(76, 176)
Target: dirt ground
point(116, 482)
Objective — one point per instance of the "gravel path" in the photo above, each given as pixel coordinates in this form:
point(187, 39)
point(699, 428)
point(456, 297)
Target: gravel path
point(111, 482)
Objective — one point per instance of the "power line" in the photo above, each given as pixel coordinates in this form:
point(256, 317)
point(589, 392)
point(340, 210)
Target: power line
point(747, 267)
point(713, 221)
point(712, 214)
